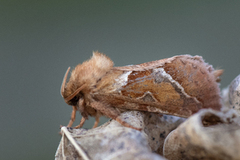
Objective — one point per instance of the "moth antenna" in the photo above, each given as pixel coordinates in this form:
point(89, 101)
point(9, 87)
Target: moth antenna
point(75, 93)
point(64, 81)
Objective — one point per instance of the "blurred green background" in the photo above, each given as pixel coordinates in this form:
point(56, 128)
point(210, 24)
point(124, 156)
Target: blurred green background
point(40, 39)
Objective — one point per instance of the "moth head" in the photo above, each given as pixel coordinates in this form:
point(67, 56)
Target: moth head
point(84, 77)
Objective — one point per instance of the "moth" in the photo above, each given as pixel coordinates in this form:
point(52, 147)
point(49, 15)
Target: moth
point(180, 86)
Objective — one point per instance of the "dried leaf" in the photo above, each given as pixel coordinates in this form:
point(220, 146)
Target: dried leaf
point(206, 135)
point(114, 141)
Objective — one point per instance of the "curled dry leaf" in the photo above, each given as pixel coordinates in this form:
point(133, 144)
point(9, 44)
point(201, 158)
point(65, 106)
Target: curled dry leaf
point(234, 94)
point(157, 127)
point(231, 96)
point(206, 135)
point(114, 141)
point(225, 98)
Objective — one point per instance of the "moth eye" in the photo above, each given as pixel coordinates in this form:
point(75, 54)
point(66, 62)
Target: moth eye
point(75, 99)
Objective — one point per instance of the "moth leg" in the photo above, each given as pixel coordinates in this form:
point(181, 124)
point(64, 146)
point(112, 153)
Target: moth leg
point(125, 124)
point(111, 113)
point(81, 123)
point(96, 121)
point(73, 116)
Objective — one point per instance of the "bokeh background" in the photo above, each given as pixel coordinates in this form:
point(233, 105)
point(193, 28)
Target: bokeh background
point(40, 39)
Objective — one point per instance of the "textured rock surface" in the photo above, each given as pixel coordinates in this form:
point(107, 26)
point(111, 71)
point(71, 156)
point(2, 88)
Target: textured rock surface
point(205, 135)
point(113, 141)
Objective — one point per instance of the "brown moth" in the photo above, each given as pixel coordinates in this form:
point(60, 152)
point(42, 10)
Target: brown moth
point(180, 86)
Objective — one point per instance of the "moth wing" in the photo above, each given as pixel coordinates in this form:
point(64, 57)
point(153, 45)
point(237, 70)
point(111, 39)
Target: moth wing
point(143, 94)
point(146, 66)
point(125, 103)
point(158, 86)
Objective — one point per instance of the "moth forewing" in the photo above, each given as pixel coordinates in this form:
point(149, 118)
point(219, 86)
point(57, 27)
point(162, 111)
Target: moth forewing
point(182, 80)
